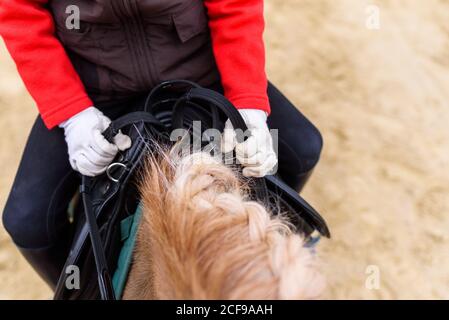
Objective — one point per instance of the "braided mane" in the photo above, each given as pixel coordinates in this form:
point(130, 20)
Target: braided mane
point(201, 238)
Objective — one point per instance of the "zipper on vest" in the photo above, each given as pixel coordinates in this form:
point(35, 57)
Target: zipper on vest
point(129, 15)
point(150, 68)
point(127, 7)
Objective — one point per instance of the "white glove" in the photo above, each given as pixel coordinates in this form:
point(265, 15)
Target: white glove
point(256, 154)
point(89, 152)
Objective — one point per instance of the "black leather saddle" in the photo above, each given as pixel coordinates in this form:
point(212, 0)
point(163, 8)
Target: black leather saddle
point(112, 196)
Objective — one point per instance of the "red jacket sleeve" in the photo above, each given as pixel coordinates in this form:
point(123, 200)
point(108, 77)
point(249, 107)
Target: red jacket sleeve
point(237, 37)
point(27, 28)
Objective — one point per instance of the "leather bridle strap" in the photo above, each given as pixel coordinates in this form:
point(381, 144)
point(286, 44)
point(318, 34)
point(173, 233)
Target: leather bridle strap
point(104, 277)
point(128, 119)
point(218, 101)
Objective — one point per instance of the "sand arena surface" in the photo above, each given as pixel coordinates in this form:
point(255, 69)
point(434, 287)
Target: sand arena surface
point(381, 100)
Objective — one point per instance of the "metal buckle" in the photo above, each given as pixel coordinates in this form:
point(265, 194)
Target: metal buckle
point(111, 166)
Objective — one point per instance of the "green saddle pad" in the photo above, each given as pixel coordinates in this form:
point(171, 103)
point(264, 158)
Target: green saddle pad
point(128, 230)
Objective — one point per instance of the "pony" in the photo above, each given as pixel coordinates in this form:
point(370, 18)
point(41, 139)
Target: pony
point(201, 237)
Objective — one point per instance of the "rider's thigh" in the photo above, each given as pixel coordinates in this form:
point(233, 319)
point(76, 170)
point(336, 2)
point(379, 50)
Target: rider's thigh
point(35, 214)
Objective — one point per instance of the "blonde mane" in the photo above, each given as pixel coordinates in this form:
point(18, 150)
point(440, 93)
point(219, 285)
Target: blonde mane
point(201, 238)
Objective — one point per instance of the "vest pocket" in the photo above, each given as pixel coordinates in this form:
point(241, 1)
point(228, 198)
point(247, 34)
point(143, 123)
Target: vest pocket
point(100, 56)
point(180, 45)
point(190, 22)
point(74, 37)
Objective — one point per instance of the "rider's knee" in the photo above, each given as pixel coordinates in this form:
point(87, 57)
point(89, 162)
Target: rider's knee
point(316, 146)
point(23, 224)
point(309, 147)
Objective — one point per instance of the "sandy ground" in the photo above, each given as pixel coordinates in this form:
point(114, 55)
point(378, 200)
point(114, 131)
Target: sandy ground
point(380, 98)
